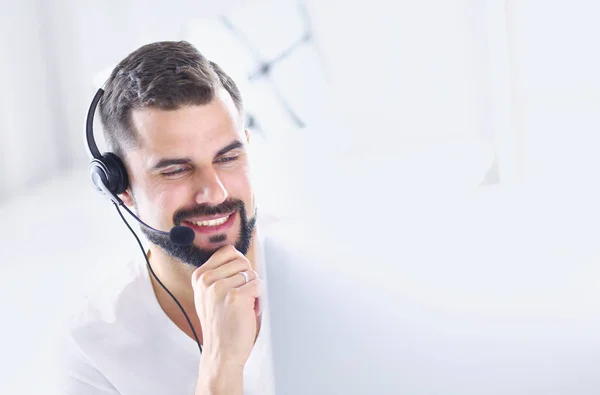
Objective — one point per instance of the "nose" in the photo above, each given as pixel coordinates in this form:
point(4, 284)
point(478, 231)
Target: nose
point(210, 189)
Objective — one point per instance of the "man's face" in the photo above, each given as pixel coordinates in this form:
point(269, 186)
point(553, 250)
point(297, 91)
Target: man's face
point(191, 168)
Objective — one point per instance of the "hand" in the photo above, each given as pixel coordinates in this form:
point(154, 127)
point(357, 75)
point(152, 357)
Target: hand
point(227, 306)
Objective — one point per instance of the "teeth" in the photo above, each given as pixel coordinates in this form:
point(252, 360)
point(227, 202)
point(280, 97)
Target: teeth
point(212, 222)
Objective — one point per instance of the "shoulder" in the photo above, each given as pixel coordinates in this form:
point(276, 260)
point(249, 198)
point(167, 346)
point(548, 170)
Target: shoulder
point(108, 301)
point(93, 335)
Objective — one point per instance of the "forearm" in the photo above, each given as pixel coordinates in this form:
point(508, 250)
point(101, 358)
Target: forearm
point(216, 378)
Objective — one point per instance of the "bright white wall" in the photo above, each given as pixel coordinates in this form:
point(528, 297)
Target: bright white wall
point(30, 139)
point(558, 90)
point(413, 85)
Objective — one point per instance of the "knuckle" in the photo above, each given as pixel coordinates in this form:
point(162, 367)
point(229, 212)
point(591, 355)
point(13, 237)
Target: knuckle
point(237, 253)
point(224, 253)
point(260, 286)
point(196, 276)
point(230, 250)
point(244, 262)
point(252, 275)
point(259, 283)
point(232, 295)
point(239, 264)
point(206, 279)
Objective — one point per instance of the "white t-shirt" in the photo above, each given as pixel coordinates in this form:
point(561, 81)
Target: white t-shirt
point(122, 342)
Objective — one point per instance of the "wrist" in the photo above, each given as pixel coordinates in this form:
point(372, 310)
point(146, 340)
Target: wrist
point(220, 376)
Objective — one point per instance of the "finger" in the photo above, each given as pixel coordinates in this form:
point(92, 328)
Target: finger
point(246, 294)
point(237, 280)
point(222, 256)
point(252, 288)
point(222, 272)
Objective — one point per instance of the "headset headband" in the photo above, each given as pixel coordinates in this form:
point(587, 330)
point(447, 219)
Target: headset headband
point(93, 150)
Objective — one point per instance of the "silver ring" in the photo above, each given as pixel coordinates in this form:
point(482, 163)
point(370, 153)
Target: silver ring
point(246, 278)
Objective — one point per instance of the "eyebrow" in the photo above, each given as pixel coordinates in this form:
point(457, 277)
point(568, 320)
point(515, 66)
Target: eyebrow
point(170, 162)
point(184, 161)
point(236, 144)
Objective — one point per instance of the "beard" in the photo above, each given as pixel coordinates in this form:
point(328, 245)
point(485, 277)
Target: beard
point(196, 256)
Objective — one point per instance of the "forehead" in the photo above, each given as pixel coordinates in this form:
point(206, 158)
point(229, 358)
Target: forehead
point(189, 130)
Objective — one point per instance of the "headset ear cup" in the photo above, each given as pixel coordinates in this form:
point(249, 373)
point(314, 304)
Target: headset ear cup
point(98, 174)
point(110, 171)
point(118, 181)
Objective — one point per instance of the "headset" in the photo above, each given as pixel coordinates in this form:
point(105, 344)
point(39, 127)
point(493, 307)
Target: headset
point(109, 176)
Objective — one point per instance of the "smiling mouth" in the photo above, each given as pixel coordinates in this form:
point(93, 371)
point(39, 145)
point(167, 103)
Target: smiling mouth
point(213, 224)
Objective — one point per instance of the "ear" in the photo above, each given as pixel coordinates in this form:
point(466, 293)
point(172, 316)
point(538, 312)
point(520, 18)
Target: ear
point(127, 198)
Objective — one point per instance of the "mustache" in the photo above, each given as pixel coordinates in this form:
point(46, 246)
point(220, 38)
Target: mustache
point(227, 207)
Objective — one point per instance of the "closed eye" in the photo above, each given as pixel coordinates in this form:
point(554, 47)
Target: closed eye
point(227, 159)
point(174, 172)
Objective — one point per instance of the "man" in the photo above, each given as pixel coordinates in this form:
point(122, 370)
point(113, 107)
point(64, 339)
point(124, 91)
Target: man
point(177, 122)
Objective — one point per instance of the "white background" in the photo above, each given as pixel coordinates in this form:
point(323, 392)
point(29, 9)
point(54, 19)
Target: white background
point(481, 115)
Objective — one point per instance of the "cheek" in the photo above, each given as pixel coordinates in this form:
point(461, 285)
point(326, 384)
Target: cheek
point(164, 202)
point(238, 184)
